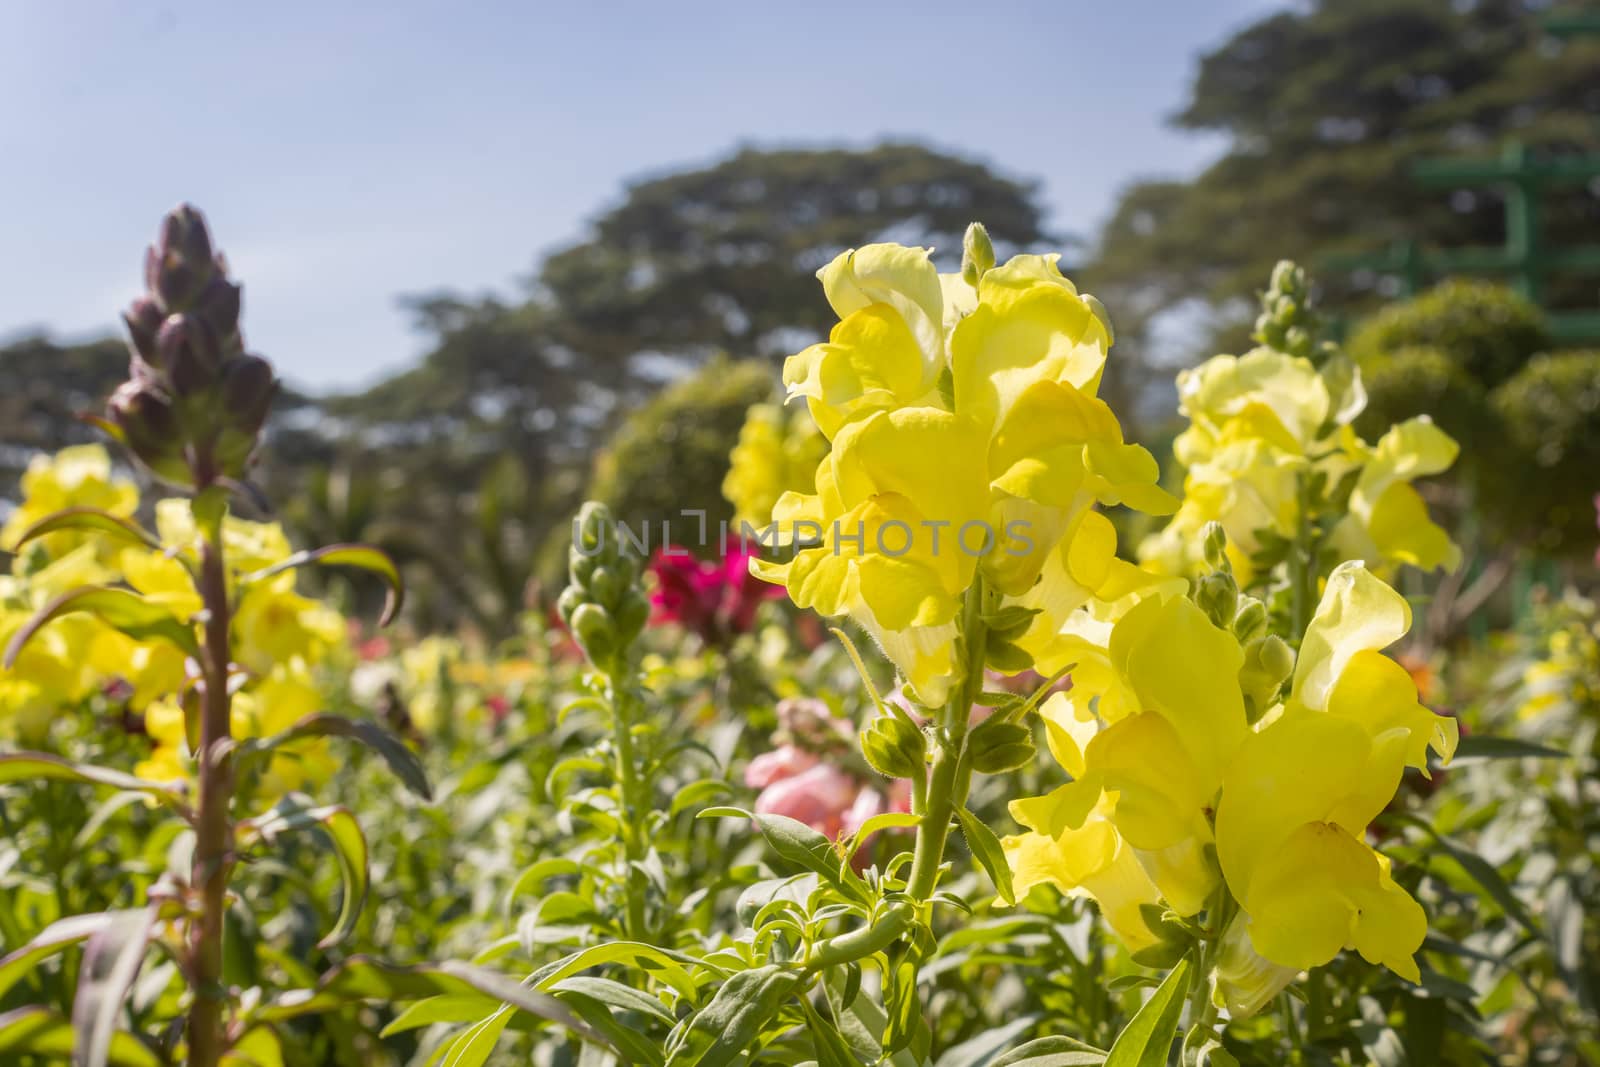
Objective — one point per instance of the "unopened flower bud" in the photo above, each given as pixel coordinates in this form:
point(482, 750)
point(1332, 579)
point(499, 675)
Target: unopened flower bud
point(181, 264)
point(596, 632)
point(150, 426)
point(1214, 544)
point(1268, 662)
point(187, 351)
point(977, 254)
point(143, 320)
point(219, 306)
point(1217, 594)
point(632, 614)
point(893, 747)
point(248, 387)
point(1251, 620)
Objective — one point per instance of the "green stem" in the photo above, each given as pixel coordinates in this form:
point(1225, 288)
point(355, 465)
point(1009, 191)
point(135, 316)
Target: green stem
point(632, 811)
point(952, 773)
point(213, 853)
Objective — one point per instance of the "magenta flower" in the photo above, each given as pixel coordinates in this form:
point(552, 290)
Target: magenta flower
point(716, 599)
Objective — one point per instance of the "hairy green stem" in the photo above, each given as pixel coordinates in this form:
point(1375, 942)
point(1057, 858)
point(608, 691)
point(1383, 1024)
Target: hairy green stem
point(952, 773)
point(632, 810)
point(213, 852)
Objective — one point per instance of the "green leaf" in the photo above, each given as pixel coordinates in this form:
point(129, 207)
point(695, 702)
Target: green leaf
point(1477, 746)
point(1052, 1052)
point(616, 995)
point(361, 978)
point(1147, 1039)
point(475, 1045)
point(88, 520)
point(637, 1047)
point(665, 966)
point(987, 850)
point(119, 609)
point(884, 820)
point(720, 1032)
point(830, 1046)
point(798, 843)
point(982, 1050)
point(362, 557)
point(45, 1032)
point(47, 942)
point(342, 830)
point(445, 1008)
point(1480, 870)
point(40, 767)
point(393, 751)
point(111, 961)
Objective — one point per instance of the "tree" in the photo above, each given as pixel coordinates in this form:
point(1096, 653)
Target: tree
point(724, 259)
point(1324, 109)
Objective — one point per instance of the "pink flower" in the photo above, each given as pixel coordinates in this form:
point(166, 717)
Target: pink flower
point(784, 762)
point(819, 796)
point(716, 599)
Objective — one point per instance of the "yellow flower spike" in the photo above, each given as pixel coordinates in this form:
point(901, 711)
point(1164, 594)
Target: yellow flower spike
point(888, 349)
point(778, 452)
point(1030, 325)
point(1295, 804)
point(1067, 733)
point(1277, 397)
point(1186, 670)
point(1388, 520)
point(78, 476)
point(1091, 861)
point(1341, 671)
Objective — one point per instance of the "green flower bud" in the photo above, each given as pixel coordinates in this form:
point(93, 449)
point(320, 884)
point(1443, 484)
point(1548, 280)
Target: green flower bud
point(1218, 596)
point(632, 614)
point(998, 746)
point(569, 601)
point(1268, 663)
point(596, 632)
point(1214, 544)
point(893, 746)
point(977, 254)
point(606, 586)
point(1251, 621)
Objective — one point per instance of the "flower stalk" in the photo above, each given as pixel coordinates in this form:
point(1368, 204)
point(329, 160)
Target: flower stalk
point(213, 854)
point(951, 773)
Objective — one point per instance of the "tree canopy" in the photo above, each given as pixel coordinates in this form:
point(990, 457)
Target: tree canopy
point(1324, 108)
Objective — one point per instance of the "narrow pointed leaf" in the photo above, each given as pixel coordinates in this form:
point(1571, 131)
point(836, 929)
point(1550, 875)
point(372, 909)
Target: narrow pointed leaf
point(119, 609)
point(47, 1034)
point(342, 830)
point(393, 751)
point(362, 557)
point(111, 961)
point(987, 850)
point(1147, 1039)
point(88, 520)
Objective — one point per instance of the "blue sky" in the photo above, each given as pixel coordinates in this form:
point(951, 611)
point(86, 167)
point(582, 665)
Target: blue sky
point(351, 151)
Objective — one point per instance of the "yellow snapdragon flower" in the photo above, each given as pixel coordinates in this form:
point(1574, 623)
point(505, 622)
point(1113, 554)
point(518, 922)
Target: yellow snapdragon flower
point(778, 452)
point(1161, 751)
point(1266, 425)
point(965, 436)
point(76, 477)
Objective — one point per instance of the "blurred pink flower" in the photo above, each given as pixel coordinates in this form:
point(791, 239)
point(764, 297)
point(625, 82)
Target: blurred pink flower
point(783, 762)
point(819, 796)
point(716, 599)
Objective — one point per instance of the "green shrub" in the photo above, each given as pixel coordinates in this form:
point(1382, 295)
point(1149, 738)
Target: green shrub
point(1550, 469)
point(1486, 330)
point(1422, 380)
point(671, 455)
